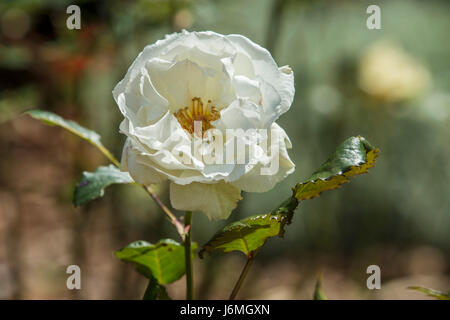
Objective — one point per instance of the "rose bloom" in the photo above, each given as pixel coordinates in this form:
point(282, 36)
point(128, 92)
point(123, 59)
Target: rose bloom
point(215, 82)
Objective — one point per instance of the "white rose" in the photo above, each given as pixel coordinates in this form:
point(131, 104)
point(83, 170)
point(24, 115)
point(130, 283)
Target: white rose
point(224, 82)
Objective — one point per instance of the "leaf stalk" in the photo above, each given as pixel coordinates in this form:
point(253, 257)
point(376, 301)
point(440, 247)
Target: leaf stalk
point(244, 272)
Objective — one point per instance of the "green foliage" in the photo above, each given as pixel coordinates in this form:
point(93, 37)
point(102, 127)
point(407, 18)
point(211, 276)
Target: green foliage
point(52, 119)
point(354, 156)
point(432, 293)
point(163, 261)
point(93, 137)
point(246, 235)
point(92, 184)
point(318, 292)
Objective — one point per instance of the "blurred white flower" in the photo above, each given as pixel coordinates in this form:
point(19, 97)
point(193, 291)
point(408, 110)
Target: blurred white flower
point(212, 81)
point(388, 73)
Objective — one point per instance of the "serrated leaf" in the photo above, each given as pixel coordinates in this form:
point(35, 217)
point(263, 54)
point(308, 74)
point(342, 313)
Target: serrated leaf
point(354, 156)
point(164, 261)
point(155, 291)
point(92, 184)
point(432, 293)
point(250, 234)
point(93, 137)
point(318, 292)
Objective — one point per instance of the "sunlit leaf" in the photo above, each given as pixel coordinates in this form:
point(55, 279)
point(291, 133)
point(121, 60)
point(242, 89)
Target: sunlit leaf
point(92, 184)
point(164, 261)
point(432, 293)
point(93, 137)
point(318, 292)
point(354, 156)
point(249, 234)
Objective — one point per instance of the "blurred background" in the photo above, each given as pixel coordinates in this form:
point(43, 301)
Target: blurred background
point(391, 86)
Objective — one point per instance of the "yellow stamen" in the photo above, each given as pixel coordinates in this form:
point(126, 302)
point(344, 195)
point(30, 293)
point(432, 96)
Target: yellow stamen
point(188, 115)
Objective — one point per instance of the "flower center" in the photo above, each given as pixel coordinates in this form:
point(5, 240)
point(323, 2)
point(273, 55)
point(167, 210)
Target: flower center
point(197, 112)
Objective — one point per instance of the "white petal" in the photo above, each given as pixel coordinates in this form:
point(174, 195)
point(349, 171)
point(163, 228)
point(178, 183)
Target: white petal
point(154, 106)
point(271, 104)
point(246, 88)
point(164, 134)
point(184, 80)
point(193, 53)
point(133, 162)
point(243, 65)
point(140, 102)
point(241, 114)
point(254, 181)
point(215, 200)
point(282, 79)
point(239, 64)
point(152, 51)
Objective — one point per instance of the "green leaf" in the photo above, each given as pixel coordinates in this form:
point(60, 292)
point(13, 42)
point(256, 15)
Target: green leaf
point(318, 292)
point(164, 261)
point(432, 293)
point(52, 119)
point(354, 156)
point(155, 291)
point(250, 234)
point(92, 184)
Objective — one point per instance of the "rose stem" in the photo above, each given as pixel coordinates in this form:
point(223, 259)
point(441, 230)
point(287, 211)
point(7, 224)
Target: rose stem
point(178, 225)
point(108, 155)
point(188, 256)
point(152, 194)
point(166, 210)
point(248, 264)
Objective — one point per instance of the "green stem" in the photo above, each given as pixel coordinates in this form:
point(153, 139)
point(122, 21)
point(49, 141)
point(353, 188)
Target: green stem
point(108, 155)
point(152, 194)
point(244, 272)
point(178, 225)
point(188, 256)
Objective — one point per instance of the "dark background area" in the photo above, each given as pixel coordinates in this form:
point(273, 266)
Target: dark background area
point(391, 86)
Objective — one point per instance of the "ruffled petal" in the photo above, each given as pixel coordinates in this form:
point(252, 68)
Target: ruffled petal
point(282, 79)
point(215, 200)
point(134, 163)
point(267, 173)
point(241, 114)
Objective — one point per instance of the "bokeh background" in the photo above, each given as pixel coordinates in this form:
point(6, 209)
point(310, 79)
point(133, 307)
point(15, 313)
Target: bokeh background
point(391, 86)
